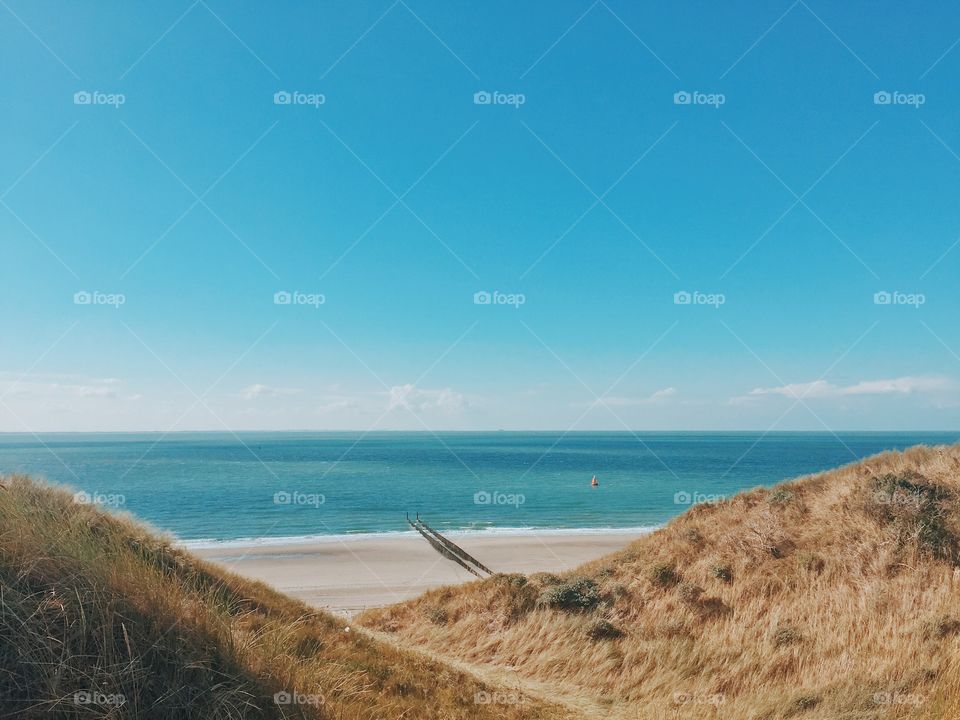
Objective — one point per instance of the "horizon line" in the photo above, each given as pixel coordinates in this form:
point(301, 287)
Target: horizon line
point(463, 431)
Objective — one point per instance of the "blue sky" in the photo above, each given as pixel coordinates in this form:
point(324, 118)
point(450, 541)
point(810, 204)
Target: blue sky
point(783, 198)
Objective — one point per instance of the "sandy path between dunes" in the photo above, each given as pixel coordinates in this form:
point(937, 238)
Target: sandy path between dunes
point(349, 576)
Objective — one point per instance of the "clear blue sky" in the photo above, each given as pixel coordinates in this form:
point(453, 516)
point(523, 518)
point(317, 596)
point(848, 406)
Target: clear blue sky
point(196, 199)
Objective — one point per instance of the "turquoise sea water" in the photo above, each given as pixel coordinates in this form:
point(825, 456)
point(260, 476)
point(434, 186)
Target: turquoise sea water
point(207, 487)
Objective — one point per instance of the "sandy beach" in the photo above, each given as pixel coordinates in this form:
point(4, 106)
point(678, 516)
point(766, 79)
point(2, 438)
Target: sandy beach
point(348, 576)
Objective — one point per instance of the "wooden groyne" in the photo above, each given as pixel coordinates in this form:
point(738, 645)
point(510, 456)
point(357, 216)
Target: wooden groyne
point(448, 548)
point(456, 549)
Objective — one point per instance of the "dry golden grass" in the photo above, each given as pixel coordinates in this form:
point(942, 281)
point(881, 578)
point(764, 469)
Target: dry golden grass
point(92, 603)
point(832, 596)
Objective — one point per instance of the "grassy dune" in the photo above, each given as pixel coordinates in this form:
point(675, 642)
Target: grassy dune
point(101, 618)
point(832, 596)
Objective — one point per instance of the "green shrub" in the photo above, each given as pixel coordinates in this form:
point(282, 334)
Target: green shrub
point(508, 582)
point(780, 496)
point(786, 635)
point(437, 615)
point(600, 629)
point(722, 572)
point(917, 510)
point(941, 626)
point(802, 703)
point(689, 592)
point(575, 594)
point(810, 561)
point(663, 575)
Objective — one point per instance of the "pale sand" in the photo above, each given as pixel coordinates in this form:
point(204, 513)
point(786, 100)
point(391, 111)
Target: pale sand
point(347, 577)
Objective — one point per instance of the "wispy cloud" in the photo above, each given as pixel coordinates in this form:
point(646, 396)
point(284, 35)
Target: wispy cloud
point(622, 401)
point(58, 386)
point(253, 392)
point(906, 385)
point(420, 399)
point(336, 404)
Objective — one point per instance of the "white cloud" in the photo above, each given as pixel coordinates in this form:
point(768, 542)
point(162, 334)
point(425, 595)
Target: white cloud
point(258, 391)
point(420, 399)
point(53, 387)
point(338, 404)
point(907, 385)
point(658, 396)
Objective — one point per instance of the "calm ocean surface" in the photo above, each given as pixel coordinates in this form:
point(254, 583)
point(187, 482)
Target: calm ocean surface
point(206, 487)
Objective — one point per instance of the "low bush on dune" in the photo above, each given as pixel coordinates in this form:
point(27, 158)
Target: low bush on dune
point(800, 704)
point(663, 575)
point(576, 594)
point(916, 510)
point(438, 615)
point(600, 629)
point(942, 626)
point(786, 635)
point(722, 572)
point(689, 592)
point(780, 496)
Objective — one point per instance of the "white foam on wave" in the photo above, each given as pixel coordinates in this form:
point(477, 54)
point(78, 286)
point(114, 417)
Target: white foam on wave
point(211, 543)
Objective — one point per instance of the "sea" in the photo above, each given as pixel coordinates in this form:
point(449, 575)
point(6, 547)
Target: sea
point(210, 489)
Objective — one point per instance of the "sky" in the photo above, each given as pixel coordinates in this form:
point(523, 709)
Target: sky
point(429, 215)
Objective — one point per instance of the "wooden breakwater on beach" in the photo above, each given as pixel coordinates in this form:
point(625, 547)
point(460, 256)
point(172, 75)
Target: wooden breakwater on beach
point(449, 549)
